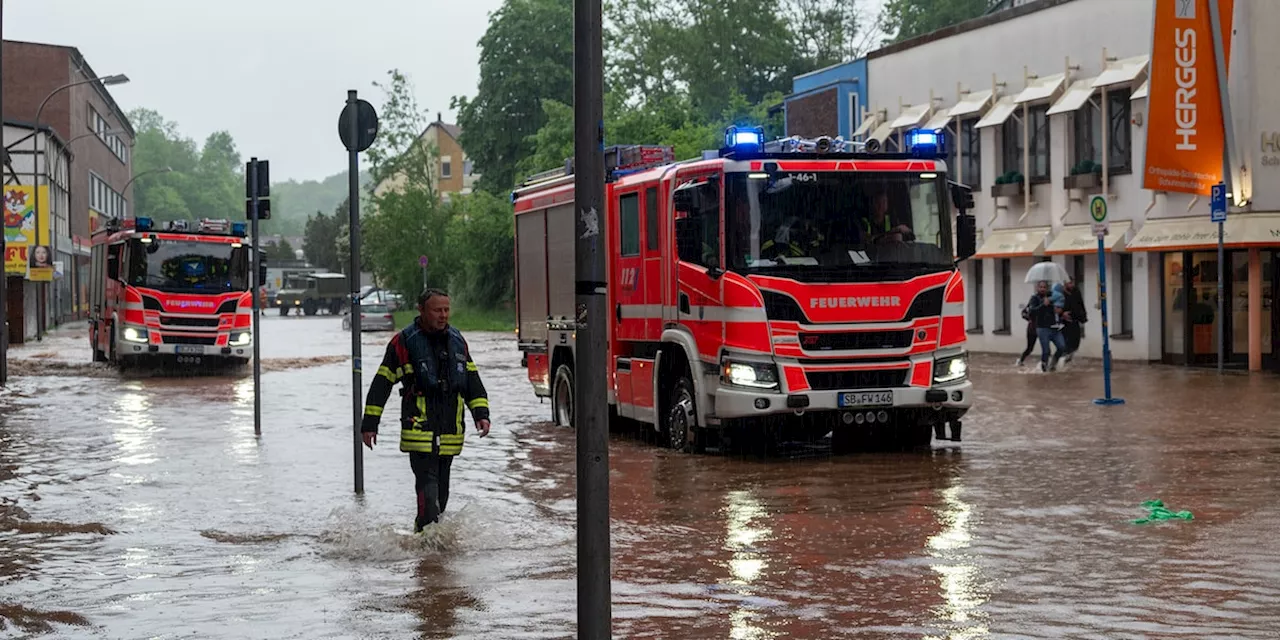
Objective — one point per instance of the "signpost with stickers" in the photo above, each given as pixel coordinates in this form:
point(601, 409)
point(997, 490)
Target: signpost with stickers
point(1098, 211)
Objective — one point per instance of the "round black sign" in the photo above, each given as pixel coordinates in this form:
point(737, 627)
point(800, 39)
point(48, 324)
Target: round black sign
point(366, 126)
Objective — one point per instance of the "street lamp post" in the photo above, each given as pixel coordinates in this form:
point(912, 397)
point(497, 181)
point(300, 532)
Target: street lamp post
point(119, 78)
point(144, 173)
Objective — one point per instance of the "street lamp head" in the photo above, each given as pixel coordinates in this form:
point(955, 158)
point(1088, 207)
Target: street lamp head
point(119, 78)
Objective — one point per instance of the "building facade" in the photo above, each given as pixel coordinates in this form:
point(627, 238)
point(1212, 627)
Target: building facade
point(828, 102)
point(1046, 103)
point(37, 233)
point(451, 169)
point(99, 142)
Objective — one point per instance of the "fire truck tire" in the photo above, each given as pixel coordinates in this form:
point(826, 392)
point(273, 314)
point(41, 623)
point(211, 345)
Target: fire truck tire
point(562, 397)
point(680, 422)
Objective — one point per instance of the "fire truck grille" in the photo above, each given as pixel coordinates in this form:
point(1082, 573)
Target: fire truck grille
point(204, 340)
point(855, 340)
point(841, 380)
point(178, 321)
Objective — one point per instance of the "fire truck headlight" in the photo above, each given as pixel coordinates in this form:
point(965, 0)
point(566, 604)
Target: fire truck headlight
point(240, 338)
point(953, 369)
point(135, 335)
point(757, 375)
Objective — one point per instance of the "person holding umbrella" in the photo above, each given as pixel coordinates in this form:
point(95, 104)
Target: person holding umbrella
point(1041, 308)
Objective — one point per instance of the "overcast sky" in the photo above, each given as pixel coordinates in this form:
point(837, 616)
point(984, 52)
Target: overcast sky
point(275, 73)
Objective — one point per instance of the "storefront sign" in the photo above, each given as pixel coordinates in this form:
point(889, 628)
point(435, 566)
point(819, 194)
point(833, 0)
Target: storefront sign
point(1185, 128)
point(25, 255)
point(1270, 149)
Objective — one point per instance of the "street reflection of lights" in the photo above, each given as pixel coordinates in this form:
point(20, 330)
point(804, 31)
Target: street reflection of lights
point(244, 392)
point(136, 557)
point(134, 430)
point(961, 581)
point(746, 524)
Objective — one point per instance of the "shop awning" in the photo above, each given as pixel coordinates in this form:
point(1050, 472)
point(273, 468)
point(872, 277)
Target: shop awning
point(1122, 71)
point(1141, 92)
point(973, 103)
point(1178, 234)
point(910, 117)
point(868, 123)
point(1074, 98)
point(999, 113)
point(940, 120)
point(1014, 243)
point(1078, 239)
point(1042, 89)
point(882, 133)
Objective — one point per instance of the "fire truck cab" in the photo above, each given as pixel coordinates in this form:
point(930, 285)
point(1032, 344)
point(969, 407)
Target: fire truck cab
point(803, 286)
point(178, 293)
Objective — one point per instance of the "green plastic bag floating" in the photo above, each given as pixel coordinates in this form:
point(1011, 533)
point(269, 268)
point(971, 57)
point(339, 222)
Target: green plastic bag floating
point(1159, 512)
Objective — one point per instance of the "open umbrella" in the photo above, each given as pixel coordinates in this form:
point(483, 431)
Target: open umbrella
point(1051, 272)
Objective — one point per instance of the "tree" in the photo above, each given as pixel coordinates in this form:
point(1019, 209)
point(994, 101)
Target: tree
point(482, 236)
point(526, 56)
point(320, 238)
point(907, 19)
point(280, 251)
point(398, 150)
point(205, 182)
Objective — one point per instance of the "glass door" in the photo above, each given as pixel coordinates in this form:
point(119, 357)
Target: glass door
point(1202, 307)
point(1175, 304)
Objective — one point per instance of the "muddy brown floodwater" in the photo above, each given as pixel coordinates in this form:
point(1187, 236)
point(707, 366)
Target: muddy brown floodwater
point(144, 507)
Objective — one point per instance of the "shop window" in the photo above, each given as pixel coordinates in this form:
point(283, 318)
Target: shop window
point(1126, 294)
point(975, 303)
point(1005, 302)
point(1077, 270)
point(1038, 149)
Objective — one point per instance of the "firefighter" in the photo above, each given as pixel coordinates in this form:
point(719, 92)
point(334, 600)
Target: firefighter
point(431, 361)
point(797, 238)
point(878, 226)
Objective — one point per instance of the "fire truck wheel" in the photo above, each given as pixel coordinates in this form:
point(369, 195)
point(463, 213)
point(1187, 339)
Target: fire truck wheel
point(680, 423)
point(562, 397)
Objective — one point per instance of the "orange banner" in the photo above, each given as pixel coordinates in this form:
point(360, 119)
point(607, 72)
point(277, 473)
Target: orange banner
point(1185, 135)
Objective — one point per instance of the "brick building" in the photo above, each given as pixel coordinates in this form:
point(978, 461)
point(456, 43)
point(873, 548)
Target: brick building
point(98, 147)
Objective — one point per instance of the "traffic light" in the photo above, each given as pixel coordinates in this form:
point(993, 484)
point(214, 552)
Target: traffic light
point(257, 184)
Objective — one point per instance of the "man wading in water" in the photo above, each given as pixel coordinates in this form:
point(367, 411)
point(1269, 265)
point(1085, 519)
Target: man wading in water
point(432, 362)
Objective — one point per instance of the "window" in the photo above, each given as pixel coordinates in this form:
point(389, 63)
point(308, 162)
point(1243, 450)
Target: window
point(854, 113)
point(100, 126)
point(1126, 294)
point(1088, 134)
point(1038, 134)
point(975, 310)
point(1006, 294)
point(698, 232)
point(446, 167)
point(629, 223)
point(970, 148)
point(104, 199)
point(1077, 270)
point(651, 218)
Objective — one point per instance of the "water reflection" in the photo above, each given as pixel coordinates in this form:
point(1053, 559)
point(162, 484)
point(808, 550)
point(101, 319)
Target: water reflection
point(959, 577)
point(748, 530)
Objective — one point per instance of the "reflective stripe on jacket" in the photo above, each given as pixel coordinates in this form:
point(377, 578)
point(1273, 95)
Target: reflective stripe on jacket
point(433, 395)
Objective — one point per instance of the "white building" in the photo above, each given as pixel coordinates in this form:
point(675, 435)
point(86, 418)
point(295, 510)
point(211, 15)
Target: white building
point(1022, 90)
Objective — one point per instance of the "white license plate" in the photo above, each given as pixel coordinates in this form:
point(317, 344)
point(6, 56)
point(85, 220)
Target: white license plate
point(189, 349)
point(866, 399)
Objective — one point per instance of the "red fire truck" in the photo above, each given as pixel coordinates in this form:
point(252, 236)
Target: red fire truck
point(804, 286)
point(175, 293)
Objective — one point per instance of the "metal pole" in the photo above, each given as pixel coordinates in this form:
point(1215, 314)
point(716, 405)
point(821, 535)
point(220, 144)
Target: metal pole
point(1222, 345)
point(424, 278)
point(590, 409)
point(257, 309)
point(35, 241)
point(4, 250)
point(353, 208)
point(1106, 331)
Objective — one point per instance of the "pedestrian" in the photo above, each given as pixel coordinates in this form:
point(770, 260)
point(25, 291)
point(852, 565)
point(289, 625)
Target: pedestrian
point(1073, 317)
point(432, 362)
point(1048, 326)
point(1032, 336)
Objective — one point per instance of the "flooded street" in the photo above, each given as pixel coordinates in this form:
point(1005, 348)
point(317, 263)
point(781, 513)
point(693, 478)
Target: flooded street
point(146, 508)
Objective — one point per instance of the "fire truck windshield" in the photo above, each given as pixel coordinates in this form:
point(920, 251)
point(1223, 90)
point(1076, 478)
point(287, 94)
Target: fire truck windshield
point(188, 267)
point(802, 222)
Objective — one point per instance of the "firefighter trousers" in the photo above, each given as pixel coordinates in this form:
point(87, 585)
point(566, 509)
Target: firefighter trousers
point(431, 482)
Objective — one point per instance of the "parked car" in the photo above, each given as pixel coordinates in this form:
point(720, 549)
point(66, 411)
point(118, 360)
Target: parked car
point(373, 317)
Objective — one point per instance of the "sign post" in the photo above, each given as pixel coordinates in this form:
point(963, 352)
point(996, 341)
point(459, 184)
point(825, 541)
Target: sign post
point(1098, 211)
point(1218, 215)
point(357, 128)
point(257, 188)
point(422, 262)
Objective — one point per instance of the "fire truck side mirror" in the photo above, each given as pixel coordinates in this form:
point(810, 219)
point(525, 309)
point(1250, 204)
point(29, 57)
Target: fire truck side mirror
point(966, 236)
point(262, 269)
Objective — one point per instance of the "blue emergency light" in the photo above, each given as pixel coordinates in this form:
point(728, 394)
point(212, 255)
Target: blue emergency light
point(744, 138)
point(239, 229)
point(142, 224)
point(926, 143)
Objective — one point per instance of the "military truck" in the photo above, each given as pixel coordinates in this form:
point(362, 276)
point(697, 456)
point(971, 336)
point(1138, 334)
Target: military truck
point(310, 292)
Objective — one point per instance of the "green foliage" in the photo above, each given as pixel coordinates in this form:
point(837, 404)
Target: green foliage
point(465, 318)
point(205, 182)
point(281, 250)
point(907, 19)
point(320, 239)
point(293, 201)
point(526, 56)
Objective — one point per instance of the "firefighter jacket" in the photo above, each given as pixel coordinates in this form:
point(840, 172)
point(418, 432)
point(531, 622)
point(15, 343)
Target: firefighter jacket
point(438, 379)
